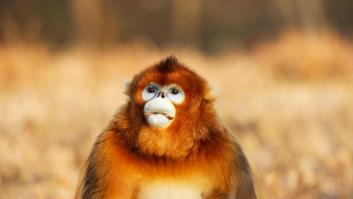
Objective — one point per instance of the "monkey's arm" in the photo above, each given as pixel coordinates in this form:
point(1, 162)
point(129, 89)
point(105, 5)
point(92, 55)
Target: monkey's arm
point(245, 186)
point(90, 186)
point(105, 175)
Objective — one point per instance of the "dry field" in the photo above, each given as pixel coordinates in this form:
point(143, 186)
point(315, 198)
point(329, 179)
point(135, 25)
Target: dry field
point(290, 102)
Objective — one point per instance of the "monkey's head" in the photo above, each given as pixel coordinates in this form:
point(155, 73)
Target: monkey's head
point(169, 102)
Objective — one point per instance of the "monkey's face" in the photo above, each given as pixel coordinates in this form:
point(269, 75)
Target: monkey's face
point(167, 95)
point(160, 100)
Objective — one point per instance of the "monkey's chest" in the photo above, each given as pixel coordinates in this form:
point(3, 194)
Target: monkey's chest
point(172, 190)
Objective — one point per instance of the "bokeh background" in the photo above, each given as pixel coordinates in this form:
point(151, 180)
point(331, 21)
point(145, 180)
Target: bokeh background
point(282, 71)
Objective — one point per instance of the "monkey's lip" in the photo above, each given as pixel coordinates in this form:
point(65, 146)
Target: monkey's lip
point(162, 113)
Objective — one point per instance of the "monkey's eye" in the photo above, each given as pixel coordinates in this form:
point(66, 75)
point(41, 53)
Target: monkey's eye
point(176, 95)
point(149, 92)
point(174, 91)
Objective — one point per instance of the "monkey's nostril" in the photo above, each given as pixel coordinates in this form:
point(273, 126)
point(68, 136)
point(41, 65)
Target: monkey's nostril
point(163, 95)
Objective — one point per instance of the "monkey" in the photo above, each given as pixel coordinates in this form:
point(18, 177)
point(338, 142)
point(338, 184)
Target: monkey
point(167, 142)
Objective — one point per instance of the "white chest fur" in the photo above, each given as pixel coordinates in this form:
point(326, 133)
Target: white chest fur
point(169, 189)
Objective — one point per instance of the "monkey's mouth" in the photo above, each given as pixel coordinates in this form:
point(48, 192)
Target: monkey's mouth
point(147, 115)
point(159, 113)
point(158, 119)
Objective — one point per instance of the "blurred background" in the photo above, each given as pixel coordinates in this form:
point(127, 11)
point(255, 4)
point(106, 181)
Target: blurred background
point(282, 71)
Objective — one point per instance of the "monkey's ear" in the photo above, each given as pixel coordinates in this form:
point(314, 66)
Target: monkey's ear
point(127, 84)
point(211, 93)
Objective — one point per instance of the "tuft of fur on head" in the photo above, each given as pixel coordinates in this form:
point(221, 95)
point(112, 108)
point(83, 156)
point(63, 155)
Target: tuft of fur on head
point(169, 64)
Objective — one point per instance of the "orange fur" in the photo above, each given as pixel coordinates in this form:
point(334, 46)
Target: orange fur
point(195, 149)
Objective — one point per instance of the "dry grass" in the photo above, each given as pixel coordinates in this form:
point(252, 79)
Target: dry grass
point(290, 102)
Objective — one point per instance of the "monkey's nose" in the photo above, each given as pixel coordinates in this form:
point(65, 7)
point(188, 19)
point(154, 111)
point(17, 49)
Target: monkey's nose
point(161, 94)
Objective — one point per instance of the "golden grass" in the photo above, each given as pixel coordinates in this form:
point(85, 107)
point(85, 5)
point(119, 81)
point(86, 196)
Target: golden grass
point(289, 101)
